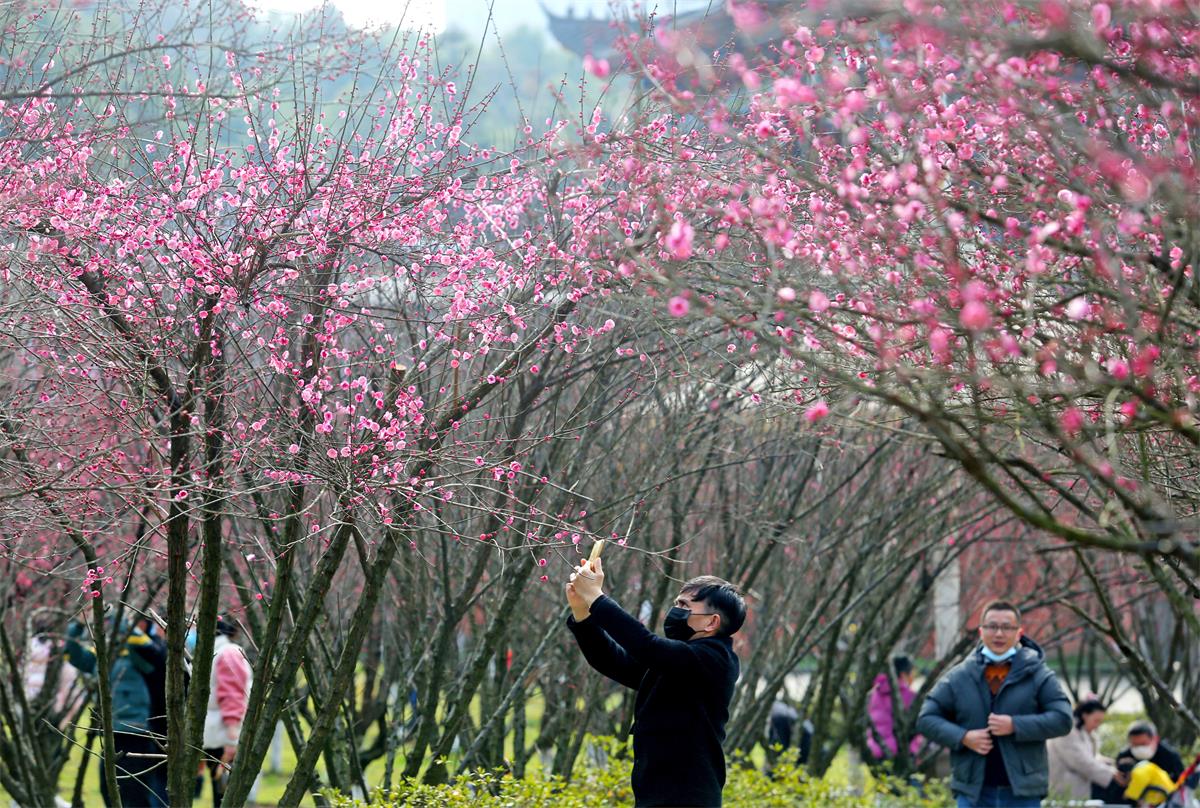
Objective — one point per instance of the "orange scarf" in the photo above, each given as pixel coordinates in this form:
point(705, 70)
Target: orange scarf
point(994, 673)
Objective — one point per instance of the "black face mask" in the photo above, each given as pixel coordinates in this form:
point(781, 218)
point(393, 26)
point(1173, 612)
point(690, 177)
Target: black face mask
point(675, 624)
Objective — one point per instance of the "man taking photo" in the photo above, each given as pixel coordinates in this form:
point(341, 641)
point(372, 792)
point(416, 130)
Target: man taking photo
point(684, 682)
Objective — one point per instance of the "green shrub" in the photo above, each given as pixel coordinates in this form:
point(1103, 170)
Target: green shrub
point(745, 787)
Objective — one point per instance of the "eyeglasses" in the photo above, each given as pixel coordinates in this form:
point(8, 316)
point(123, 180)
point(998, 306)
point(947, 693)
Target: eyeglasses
point(999, 628)
point(683, 604)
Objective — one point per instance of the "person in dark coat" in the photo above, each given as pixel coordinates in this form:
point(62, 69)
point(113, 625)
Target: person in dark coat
point(684, 682)
point(1145, 744)
point(780, 723)
point(995, 711)
point(781, 726)
point(139, 764)
point(156, 679)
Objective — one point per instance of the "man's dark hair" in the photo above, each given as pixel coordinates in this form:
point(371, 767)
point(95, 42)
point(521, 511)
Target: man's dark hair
point(722, 597)
point(1142, 728)
point(999, 606)
point(901, 664)
point(226, 627)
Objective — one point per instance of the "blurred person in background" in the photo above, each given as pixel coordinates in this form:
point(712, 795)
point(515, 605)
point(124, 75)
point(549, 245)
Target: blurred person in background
point(1077, 770)
point(881, 730)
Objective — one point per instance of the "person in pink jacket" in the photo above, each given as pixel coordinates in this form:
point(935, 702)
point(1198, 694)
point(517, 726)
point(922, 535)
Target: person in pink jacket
point(881, 733)
point(229, 690)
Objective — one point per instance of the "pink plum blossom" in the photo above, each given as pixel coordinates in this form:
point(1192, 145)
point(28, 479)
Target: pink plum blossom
point(975, 316)
point(597, 67)
point(679, 240)
point(1071, 421)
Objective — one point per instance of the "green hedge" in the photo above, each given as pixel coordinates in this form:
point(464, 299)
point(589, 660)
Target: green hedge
point(745, 787)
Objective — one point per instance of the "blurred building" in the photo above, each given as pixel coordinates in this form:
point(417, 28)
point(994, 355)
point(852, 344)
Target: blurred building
point(709, 29)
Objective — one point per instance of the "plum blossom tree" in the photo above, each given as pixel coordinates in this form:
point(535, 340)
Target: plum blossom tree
point(268, 309)
point(982, 219)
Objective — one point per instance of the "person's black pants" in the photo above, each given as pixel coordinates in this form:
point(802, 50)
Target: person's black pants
point(141, 780)
point(219, 773)
point(1112, 793)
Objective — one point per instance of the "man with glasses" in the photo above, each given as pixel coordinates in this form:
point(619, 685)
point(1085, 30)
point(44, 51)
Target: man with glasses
point(995, 711)
point(684, 682)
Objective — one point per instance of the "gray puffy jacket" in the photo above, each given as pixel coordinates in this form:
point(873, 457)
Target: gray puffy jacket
point(961, 701)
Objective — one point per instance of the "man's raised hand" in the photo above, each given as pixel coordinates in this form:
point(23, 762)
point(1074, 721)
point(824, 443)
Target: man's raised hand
point(588, 579)
point(579, 608)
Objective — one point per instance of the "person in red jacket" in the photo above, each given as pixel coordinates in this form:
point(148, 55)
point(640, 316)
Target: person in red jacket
point(229, 690)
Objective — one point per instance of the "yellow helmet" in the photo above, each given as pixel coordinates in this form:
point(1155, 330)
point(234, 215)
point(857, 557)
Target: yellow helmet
point(1149, 784)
